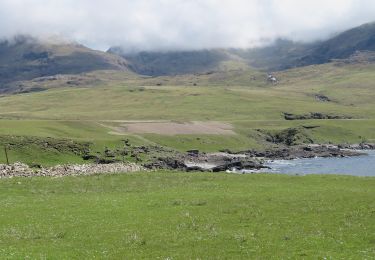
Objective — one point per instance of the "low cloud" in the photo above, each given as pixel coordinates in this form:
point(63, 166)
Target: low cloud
point(181, 24)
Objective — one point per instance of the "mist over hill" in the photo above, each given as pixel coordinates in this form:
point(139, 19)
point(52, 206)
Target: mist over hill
point(342, 46)
point(281, 54)
point(25, 58)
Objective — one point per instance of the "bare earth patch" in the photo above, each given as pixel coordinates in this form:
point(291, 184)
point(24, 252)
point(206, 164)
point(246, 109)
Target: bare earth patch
point(174, 128)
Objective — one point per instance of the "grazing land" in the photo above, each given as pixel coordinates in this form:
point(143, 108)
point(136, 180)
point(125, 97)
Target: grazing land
point(242, 99)
point(131, 154)
point(188, 215)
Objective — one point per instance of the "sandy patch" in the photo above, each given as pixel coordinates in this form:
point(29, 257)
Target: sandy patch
point(173, 128)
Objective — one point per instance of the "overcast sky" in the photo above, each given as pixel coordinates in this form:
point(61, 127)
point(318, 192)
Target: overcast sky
point(181, 24)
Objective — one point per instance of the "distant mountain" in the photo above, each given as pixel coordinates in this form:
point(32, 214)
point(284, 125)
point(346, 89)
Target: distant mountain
point(174, 62)
point(26, 58)
point(285, 54)
point(282, 54)
point(342, 46)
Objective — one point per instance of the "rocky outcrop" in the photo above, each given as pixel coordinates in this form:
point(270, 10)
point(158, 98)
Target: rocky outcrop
point(168, 163)
point(23, 170)
point(303, 151)
point(289, 136)
point(361, 146)
point(314, 115)
point(322, 98)
point(205, 162)
point(219, 162)
point(240, 165)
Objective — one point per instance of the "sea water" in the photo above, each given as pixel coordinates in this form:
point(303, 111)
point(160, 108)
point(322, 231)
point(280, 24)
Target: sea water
point(356, 166)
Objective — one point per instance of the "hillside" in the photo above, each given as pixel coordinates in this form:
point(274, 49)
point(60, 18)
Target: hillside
point(342, 46)
point(280, 55)
point(26, 58)
point(285, 54)
point(177, 62)
point(245, 101)
point(208, 95)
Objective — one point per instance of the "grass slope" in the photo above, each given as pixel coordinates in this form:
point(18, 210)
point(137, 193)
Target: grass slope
point(337, 131)
point(187, 216)
point(240, 97)
point(81, 132)
point(349, 87)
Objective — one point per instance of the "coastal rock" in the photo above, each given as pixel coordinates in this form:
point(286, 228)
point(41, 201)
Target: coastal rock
point(166, 163)
point(239, 165)
point(303, 151)
point(220, 162)
point(361, 146)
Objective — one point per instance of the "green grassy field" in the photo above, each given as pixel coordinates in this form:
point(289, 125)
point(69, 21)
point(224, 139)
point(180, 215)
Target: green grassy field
point(247, 137)
point(166, 215)
point(224, 97)
point(242, 98)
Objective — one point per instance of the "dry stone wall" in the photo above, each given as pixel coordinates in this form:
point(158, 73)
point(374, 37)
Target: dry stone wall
point(23, 170)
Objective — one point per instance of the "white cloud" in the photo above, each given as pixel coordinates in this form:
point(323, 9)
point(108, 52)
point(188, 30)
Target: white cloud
point(181, 24)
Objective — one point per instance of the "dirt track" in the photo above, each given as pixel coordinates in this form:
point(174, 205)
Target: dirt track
point(173, 128)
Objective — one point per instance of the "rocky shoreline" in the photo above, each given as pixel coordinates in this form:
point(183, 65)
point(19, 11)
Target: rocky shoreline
point(306, 151)
point(194, 160)
point(252, 159)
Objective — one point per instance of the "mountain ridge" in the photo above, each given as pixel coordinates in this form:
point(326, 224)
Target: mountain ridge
point(282, 54)
point(26, 58)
